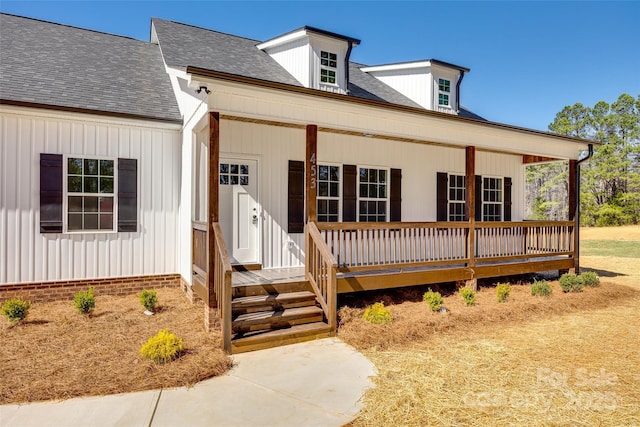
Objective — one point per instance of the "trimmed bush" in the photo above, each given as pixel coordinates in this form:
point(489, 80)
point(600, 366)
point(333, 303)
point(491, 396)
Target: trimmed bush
point(162, 348)
point(15, 309)
point(377, 313)
point(541, 288)
point(468, 296)
point(85, 301)
point(503, 290)
point(590, 278)
point(148, 299)
point(433, 299)
point(569, 282)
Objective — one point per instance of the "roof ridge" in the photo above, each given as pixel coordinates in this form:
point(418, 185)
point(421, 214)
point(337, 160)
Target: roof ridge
point(207, 29)
point(75, 27)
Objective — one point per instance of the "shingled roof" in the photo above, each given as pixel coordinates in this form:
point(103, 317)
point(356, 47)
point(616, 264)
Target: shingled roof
point(185, 46)
point(59, 66)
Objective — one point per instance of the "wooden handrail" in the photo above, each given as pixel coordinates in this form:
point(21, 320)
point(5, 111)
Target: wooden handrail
point(370, 246)
point(387, 225)
point(220, 279)
point(321, 271)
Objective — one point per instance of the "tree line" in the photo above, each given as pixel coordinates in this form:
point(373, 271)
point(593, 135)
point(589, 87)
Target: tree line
point(610, 180)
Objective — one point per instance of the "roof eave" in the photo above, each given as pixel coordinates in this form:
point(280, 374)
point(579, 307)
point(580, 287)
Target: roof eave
point(362, 101)
point(90, 111)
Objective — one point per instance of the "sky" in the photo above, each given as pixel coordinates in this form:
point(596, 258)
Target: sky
point(528, 60)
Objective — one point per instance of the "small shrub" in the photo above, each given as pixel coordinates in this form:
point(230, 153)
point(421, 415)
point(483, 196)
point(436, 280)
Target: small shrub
point(569, 282)
point(541, 288)
point(15, 309)
point(590, 278)
point(468, 296)
point(377, 313)
point(85, 301)
point(503, 290)
point(148, 299)
point(433, 299)
point(162, 348)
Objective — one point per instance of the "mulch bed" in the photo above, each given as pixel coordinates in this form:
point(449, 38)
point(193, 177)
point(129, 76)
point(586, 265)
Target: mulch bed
point(57, 353)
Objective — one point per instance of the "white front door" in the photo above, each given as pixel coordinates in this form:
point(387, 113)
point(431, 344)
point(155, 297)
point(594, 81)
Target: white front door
point(239, 208)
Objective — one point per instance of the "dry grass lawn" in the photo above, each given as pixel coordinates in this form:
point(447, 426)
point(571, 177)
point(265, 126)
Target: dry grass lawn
point(569, 359)
point(57, 353)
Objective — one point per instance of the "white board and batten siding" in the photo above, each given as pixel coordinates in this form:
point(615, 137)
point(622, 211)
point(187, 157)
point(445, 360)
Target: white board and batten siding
point(274, 146)
point(26, 255)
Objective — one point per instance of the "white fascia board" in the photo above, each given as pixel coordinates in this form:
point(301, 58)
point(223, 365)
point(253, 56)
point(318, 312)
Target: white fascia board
point(287, 38)
point(394, 67)
point(177, 72)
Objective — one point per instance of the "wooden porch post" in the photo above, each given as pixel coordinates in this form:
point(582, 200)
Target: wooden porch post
point(213, 173)
point(311, 171)
point(574, 199)
point(470, 210)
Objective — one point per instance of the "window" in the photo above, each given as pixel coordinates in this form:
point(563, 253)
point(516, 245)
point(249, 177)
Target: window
point(328, 67)
point(234, 174)
point(90, 194)
point(328, 193)
point(491, 199)
point(373, 195)
point(444, 90)
point(457, 193)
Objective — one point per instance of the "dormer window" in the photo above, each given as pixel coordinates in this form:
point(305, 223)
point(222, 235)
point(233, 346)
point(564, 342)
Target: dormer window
point(444, 90)
point(328, 67)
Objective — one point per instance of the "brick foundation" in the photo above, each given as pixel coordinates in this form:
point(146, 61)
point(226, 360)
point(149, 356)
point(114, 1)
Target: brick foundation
point(65, 290)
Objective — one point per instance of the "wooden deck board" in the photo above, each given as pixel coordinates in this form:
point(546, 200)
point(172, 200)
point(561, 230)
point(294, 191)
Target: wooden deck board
point(394, 277)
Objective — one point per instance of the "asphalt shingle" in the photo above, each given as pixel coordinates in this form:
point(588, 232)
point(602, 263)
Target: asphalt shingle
point(58, 65)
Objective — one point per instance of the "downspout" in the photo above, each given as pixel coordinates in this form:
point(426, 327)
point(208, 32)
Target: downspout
point(458, 89)
point(576, 231)
point(346, 67)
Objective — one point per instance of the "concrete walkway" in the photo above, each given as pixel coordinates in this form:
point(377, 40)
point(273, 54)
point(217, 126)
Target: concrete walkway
point(317, 383)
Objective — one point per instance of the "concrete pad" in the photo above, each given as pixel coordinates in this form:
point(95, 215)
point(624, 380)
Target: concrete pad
point(130, 409)
point(325, 373)
point(229, 401)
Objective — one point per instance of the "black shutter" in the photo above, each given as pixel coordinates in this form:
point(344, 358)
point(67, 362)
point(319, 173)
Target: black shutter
point(442, 200)
point(296, 197)
point(507, 199)
point(349, 192)
point(51, 193)
point(396, 195)
point(478, 198)
point(128, 195)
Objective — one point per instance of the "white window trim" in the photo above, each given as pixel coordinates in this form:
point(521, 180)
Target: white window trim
point(449, 201)
point(328, 68)
point(65, 194)
point(500, 203)
point(387, 199)
point(449, 94)
point(340, 184)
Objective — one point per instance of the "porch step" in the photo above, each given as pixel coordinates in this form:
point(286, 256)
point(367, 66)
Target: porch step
point(277, 319)
point(272, 302)
point(278, 287)
point(269, 338)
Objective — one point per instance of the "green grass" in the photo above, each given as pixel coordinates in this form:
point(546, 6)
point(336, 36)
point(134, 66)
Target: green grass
point(616, 248)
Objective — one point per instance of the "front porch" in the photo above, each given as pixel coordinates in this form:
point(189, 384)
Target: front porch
point(264, 308)
point(276, 306)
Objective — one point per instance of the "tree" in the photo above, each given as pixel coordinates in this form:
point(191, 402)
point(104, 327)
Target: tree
point(610, 180)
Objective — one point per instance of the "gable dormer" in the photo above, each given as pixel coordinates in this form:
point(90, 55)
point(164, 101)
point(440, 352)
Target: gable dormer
point(316, 58)
point(432, 84)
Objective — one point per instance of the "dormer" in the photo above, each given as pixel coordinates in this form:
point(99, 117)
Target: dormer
point(318, 59)
point(432, 84)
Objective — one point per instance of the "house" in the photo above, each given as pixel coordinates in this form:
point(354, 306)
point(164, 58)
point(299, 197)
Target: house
point(264, 177)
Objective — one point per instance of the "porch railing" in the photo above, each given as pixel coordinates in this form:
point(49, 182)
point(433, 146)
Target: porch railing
point(212, 278)
point(516, 240)
point(371, 246)
point(366, 246)
point(320, 271)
